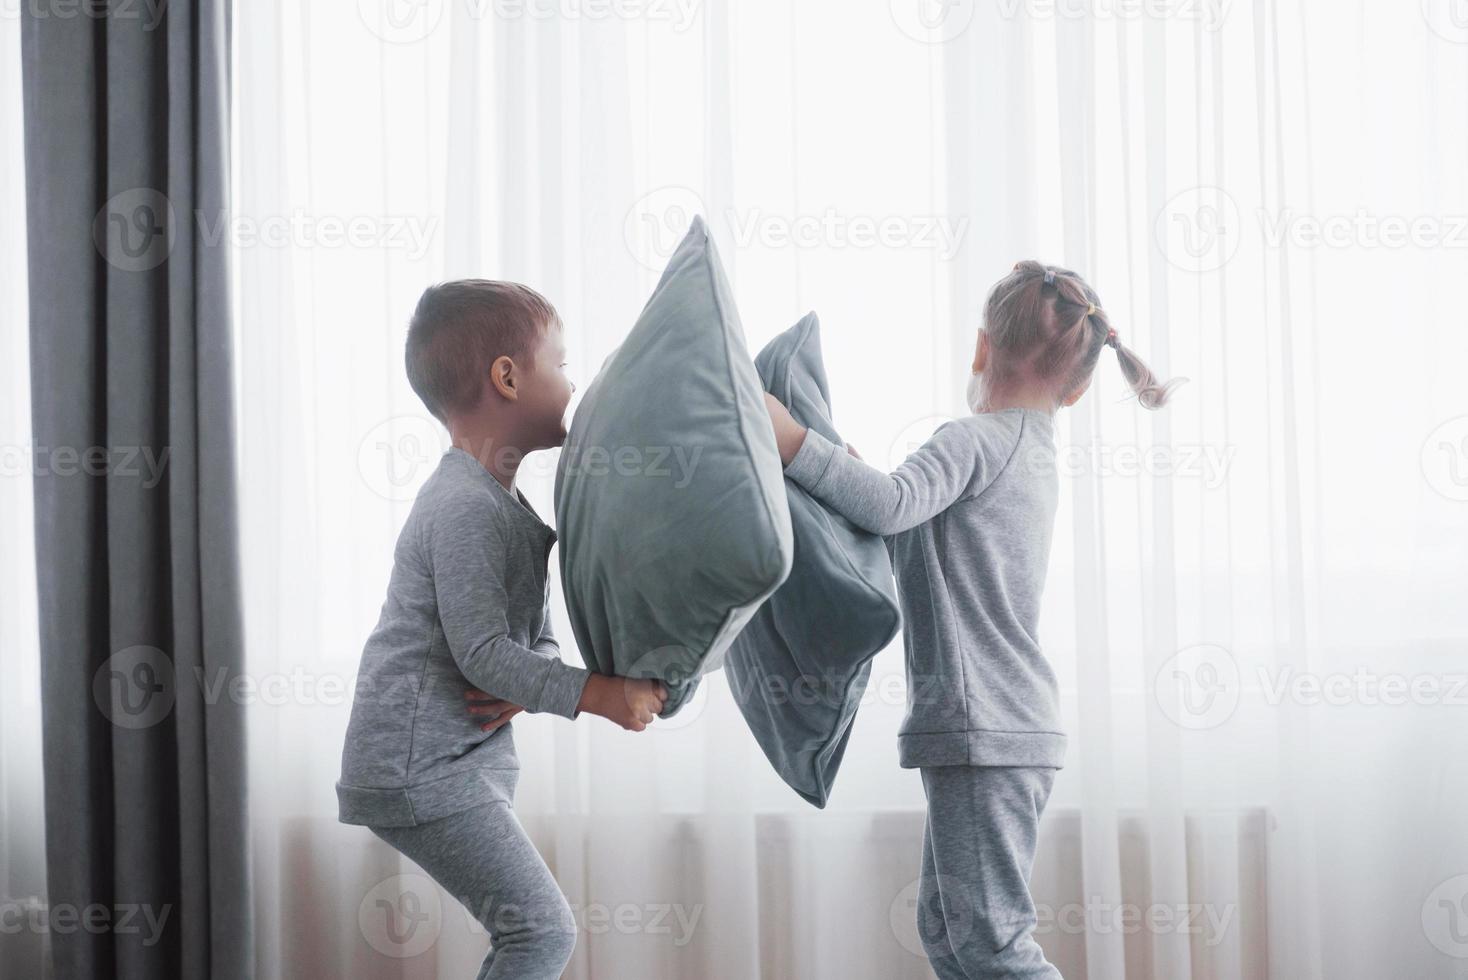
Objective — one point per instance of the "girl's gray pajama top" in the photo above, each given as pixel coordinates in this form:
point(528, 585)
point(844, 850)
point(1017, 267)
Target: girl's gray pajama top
point(968, 519)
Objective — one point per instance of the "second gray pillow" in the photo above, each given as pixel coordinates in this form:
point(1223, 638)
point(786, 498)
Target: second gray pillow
point(799, 669)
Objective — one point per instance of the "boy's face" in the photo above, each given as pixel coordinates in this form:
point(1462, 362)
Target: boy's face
point(547, 390)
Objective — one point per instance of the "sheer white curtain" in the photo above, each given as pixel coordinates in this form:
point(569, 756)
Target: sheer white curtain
point(1297, 514)
point(1256, 596)
point(22, 837)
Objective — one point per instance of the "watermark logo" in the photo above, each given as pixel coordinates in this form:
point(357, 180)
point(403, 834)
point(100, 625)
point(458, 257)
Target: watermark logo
point(135, 230)
point(689, 713)
point(1448, 19)
point(135, 688)
point(912, 437)
point(671, 665)
point(401, 21)
point(1199, 229)
point(397, 455)
point(1198, 687)
point(1445, 459)
point(402, 916)
point(1445, 917)
point(657, 222)
point(932, 21)
point(932, 911)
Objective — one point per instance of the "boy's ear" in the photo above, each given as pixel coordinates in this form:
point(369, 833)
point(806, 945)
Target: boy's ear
point(504, 377)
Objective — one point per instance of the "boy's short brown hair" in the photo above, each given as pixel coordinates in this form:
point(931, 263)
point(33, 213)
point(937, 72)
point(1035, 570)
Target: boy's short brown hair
point(458, 330)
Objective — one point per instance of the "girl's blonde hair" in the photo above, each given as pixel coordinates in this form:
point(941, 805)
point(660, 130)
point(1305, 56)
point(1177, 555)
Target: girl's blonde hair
point(1047, 323)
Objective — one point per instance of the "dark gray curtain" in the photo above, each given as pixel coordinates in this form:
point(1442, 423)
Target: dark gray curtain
point(126, 129)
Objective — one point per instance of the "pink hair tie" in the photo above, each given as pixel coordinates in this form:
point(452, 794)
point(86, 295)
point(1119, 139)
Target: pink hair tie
point(1111, 338)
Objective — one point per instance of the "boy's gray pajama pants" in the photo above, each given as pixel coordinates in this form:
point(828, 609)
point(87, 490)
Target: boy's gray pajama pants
point(975, 915)
point(483, 858)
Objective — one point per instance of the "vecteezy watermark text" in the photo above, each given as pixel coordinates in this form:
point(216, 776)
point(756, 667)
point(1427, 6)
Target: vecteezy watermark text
point(32, 915)
point(150, 12)
point(147, 463)
point(657, 221)
point(137, 229)
point(1202, 686)
point(412, 21)
point(1202, 229)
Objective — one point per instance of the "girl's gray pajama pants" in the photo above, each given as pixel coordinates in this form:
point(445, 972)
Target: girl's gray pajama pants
point(975, 915)
point(483, 858)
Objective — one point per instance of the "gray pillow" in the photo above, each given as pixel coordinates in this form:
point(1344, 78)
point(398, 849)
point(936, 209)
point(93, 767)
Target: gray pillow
point(670, 502)
point(799, 669)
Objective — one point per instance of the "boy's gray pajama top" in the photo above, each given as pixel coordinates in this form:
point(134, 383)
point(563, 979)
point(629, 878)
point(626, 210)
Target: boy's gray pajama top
point(466, 607)
point(968, 519)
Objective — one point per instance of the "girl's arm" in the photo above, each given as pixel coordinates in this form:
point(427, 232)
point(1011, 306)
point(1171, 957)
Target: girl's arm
point(953, 465)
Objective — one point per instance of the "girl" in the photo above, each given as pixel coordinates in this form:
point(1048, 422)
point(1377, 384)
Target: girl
point(968, 518)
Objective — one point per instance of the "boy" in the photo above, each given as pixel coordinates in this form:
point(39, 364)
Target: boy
point(464, 641)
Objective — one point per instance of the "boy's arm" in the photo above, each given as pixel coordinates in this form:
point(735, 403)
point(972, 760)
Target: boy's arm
point(546, 643)
point(466, 551)
point(942, 471)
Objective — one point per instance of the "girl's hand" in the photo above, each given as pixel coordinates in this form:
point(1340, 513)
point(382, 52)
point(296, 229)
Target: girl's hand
point(789, 434)
point(496, 712)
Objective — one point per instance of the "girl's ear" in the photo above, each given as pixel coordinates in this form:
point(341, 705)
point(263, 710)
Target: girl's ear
point(981, 352)
point(1075, 396)
point(504, 378)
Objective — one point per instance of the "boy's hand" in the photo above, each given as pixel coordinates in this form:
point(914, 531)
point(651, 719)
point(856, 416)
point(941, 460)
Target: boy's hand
point(498, 713)
point(633, 704)
point(789, 434)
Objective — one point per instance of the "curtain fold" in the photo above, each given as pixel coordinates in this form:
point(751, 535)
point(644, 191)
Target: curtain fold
point(22, 825)
point(126, 146)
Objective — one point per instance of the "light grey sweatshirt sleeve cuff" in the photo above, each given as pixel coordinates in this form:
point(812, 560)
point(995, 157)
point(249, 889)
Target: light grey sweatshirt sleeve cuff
point(812, 460)
point(562, 691)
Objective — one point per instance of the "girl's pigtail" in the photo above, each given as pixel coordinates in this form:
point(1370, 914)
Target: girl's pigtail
point(1149, 391)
